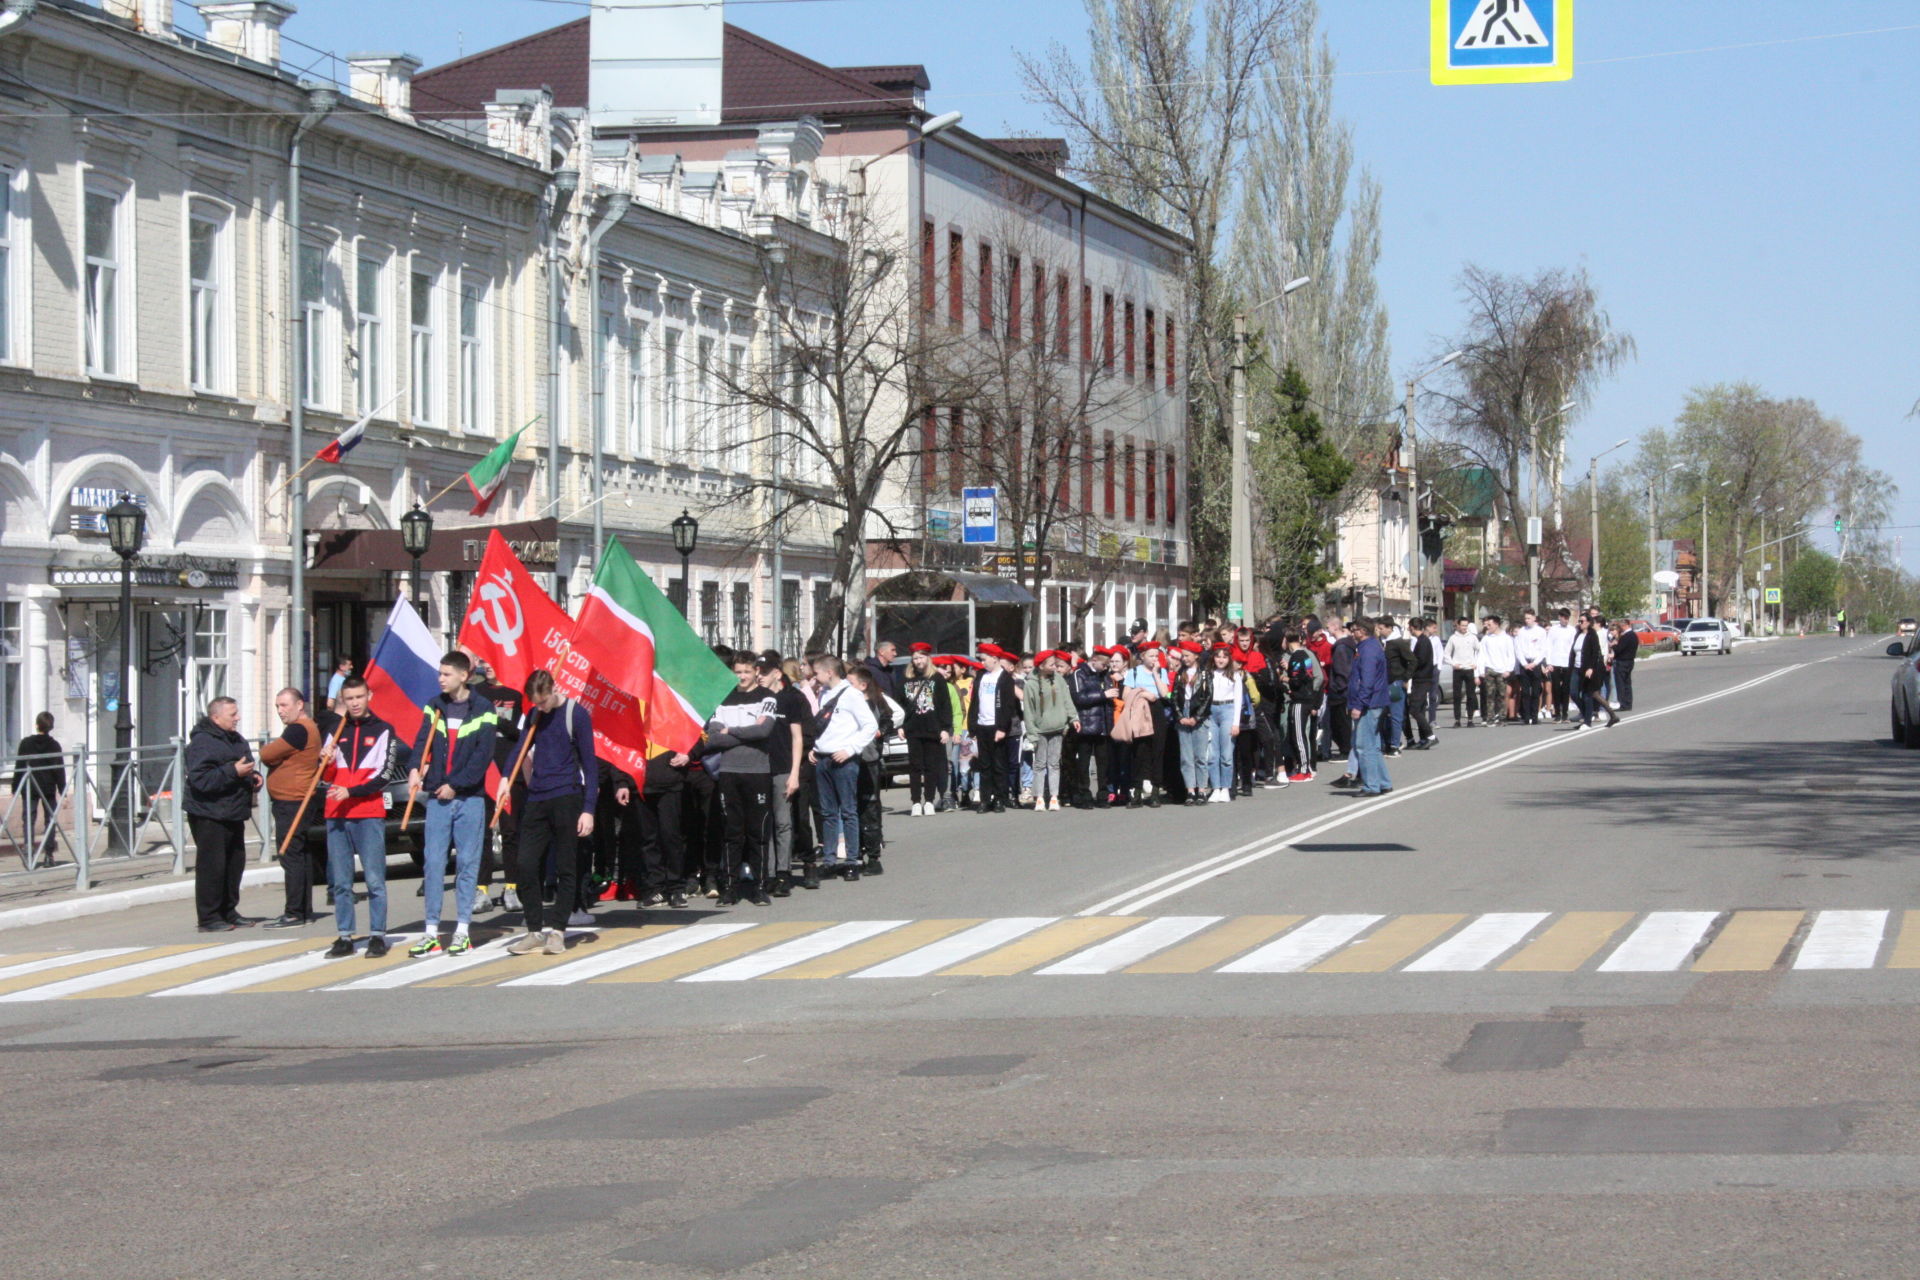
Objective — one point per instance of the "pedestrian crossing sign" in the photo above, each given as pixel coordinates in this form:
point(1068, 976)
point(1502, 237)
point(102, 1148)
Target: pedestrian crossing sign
point(1502, 41)
point(1773, 595)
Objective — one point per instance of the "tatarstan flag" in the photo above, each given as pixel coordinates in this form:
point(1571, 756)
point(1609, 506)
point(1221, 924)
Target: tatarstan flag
point(632, 637)
point(490, 472)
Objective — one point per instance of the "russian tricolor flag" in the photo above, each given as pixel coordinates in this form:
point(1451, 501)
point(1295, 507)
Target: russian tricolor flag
point(404, 673)
point(342, 444)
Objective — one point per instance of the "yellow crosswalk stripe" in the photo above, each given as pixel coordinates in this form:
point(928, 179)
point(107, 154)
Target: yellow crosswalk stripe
point(1751, 941)
point(194, 972)
point(60, 973)
point(509, 967)
point(1568, 942)
point(1042, 945)
point(1388, 945)
point(1217, 945)
point(704, 956)
point(862, 955)
point(335, 972)
point(1906, 950)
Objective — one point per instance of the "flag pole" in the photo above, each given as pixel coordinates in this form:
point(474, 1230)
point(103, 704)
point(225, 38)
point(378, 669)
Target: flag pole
point(426, 760)
point(326, 753)
point(275, 492)
point(506, 792)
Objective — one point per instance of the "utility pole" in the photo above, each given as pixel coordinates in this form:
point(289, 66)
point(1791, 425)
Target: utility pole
point(1653, 552)
point(1240, 536)
point(1593, 512)
point(1706, 580)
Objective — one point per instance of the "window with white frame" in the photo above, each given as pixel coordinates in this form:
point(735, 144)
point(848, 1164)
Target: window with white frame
point(11, 657)
point(210, 655)
point(639, 389)
point(14, 258)
point(476, 367)
point(672, 419)
point(568, 357)
point(209, 299)
point(743, 615)
point(703, 402)
point(318, 323)
point(371, 374)
point(736, 409)
point(423, 365)
point(107, 302)
point(710, 613)
point(606, 360)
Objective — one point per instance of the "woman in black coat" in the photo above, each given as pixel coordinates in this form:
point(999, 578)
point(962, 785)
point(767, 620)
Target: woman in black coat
point(1590, 660)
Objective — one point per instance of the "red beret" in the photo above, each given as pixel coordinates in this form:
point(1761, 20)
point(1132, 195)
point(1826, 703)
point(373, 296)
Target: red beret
point(1192, 646)
point(920, 646)
point(1221, 644)
point(1149, 644)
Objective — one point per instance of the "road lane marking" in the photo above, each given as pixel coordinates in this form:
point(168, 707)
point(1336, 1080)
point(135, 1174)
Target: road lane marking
point(961, 946)
point(1569, 942)
point(539, 962)
point(711, 952)
point(15, 976)
point(1388, 945)
point(811, 947)
point(1479, 944)
point(259, 975)
point(1217, 945)
point(1843, 940)
point(1133, 946)
point(862, 955)
point(178, 959)
point(1906, 952)
point(1750, 942)
point(326, 973)
point(1304, 946)
point(1662, 942)
point(1056, 940)
point(205, 966)
point(581, 968)
point(1162, 887)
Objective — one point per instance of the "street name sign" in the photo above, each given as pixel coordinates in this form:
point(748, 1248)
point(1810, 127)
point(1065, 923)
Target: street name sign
point(1501, 41)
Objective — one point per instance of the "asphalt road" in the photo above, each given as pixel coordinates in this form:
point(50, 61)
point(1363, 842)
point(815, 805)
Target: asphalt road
point(1635, 1002)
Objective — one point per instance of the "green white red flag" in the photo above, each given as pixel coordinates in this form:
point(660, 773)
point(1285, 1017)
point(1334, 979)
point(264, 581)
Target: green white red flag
point(630, 636)
point(490, 472)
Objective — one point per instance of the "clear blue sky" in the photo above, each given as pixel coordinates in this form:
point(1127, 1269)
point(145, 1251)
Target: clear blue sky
point(1747, 213)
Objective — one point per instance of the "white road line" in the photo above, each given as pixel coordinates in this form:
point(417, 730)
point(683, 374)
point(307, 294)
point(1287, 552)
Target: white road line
point(964, 945)
point(1310, 943)
point(405, 975)
point(1134, 945)
point(139, 969)
point(1661, 943)
point(810, 947)
point(661, 944)
point(1137, 899)
point(1843, 940)
point(1479, 944)
point(60, 962)
point(254, 975)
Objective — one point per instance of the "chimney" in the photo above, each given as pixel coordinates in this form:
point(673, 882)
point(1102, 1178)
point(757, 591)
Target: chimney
point(384, 80)
point(248, 28)
point(155, 17)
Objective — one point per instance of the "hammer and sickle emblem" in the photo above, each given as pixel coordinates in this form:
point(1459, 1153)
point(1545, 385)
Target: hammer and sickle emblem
point(497, 612)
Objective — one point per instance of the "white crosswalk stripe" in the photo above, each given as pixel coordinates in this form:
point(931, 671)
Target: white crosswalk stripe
point(253, 976)
point(664, 944)
point(143, 969)
point(1662, 943)
point(795, 951)
point(1479, 943)
point(26, 967)
point(1134, 945)
point(442, 966)
point(1843, 940)
point(964, 945)
point(1310, 943)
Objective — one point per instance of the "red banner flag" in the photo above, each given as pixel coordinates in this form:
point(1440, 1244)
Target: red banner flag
point(516, 628)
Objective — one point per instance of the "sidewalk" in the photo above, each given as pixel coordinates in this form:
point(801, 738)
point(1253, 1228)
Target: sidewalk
point(47, 896)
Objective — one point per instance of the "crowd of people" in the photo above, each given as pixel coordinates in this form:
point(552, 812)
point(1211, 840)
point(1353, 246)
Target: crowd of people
point(785, 787)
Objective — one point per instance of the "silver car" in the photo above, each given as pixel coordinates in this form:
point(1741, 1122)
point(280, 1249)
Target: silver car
point(1706, 635)
point(1906, 691)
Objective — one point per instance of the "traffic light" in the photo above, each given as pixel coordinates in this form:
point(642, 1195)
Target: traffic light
point(1839, 525)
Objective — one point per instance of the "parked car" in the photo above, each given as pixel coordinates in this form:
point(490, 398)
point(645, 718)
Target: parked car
point(1906, 691)
point(1706, 635)
point(1652, 632)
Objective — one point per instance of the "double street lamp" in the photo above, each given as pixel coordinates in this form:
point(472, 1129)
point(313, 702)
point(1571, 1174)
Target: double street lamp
point(416, 535)
point(126, 534)
point(686, 536)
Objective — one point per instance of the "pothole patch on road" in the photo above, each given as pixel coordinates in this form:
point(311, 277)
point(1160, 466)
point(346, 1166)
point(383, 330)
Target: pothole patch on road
point(668, 1113)
point(549, 1211)
point(1715, 1131)
point(1517, 1046)
point(975, 1064)
point(785, 1218)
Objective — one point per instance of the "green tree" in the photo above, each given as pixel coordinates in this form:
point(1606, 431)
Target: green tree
point(1812, 584)
point(1299, 472)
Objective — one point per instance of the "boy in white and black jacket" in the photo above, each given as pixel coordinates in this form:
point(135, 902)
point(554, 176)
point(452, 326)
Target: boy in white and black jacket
point(737, 735)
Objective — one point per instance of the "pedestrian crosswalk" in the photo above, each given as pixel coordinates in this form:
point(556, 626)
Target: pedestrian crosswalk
point(723, 951)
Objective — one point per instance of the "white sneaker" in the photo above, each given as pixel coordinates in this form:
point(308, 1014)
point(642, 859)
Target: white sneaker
point(915, 812)
point(526, 944)
point(580, 920)
point(556, 942)
point(1054, 807)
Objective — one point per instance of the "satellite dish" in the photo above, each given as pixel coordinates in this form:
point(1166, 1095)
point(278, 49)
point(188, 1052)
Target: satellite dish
point(1666, 579)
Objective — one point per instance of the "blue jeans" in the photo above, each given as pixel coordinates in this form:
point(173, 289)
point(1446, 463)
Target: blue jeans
point(1196, 755)
point(1220, 723)
point(1396, 715)
point(460, 821)
point(366, 837)
point(838, 783)
point(1369, 765)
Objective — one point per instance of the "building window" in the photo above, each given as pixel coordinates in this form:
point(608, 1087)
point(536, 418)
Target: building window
point(1086, 324)
point(703, 400)
point(639, 391)
point(1014, 280)
point(107, 310)
point(1109, 472)
point(210, 641)
point(1169, 353)
point(789, 640)
point(986, 288)
point(1149, 335)
point(1086, 469)
point(370, 330)
point(823, 608)
point(567, 357)
point(743, 615)
point(1106, 332)
point(1171, 474)
point(930, 451)
point(672, 421)
point(956, 279)
point(929, 269)
point(11, 656)
point(14, 239)
point(1147, 472)
point(1126, 461)
point(423, 369)
point(208, 314)
point(1040, 307)
point(957, 446)
point(318, 349)
point(606, 360)
point(476, 362)
point(739, 457)
point(710, 612)
point(1062, 316)
point(1127, 336)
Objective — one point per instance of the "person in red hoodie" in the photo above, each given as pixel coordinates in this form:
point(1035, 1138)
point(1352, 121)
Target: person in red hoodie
point(368, 757)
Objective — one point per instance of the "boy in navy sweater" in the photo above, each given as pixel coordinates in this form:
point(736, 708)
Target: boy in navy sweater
point(455, 743)
point(563, 781)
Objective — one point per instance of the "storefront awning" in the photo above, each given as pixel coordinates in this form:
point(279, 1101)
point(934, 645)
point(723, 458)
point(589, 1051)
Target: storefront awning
point(987, 588)
point(536, 542)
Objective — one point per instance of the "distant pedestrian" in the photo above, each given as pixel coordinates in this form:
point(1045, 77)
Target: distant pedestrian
point(1498, 658)
point(1463, 655)
point(39, 779)
point(222, 778)
point(1626, 651)
point(292, 761)
point(341, 671)
point(1366, 705)
point(845, 725)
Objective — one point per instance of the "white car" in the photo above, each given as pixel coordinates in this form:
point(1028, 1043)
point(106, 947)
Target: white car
point(1906, 691)
point(1705, 635)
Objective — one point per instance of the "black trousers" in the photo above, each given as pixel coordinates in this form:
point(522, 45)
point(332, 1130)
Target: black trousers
point(1557, 690)
point(1466, 700)
point(806, 808)
point(744, 820)
point(663, 841)
point(700, 819)
point(873, 833)
point(1146, 761)
point(1421, 705)
point(297, 864)
point(990, 757)
point(926, 769)
point(1527, 693)
point(1339, 724)
point(1301, 737)
point(40, 819)
point(1623, 685)
point(1087, 767)
point(550, 825)
point(219, 856)
point(1073, 768)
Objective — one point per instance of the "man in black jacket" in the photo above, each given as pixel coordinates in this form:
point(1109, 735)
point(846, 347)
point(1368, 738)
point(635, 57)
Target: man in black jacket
point(39, 776)
point(1399, 673)
point(742, 772)
point(1423, 704)
point(1339, 671)
point(221, 781)
point(455, 748)
point(990, 715)
point(1092, 723)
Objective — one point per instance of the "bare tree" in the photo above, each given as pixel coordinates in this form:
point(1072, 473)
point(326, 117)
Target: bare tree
point(1161, 118)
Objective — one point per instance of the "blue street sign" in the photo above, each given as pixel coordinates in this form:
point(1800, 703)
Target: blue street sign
point(1501, 41)
point(980, 516)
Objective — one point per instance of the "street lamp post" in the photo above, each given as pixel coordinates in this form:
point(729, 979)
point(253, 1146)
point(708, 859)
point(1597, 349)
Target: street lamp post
point(1533, 536)
point(1593, 512)
point(416, 535)
point(1419, 591)
point(686, 536)
point(1706, 580)
point(1240, 524)
point(126, 533)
